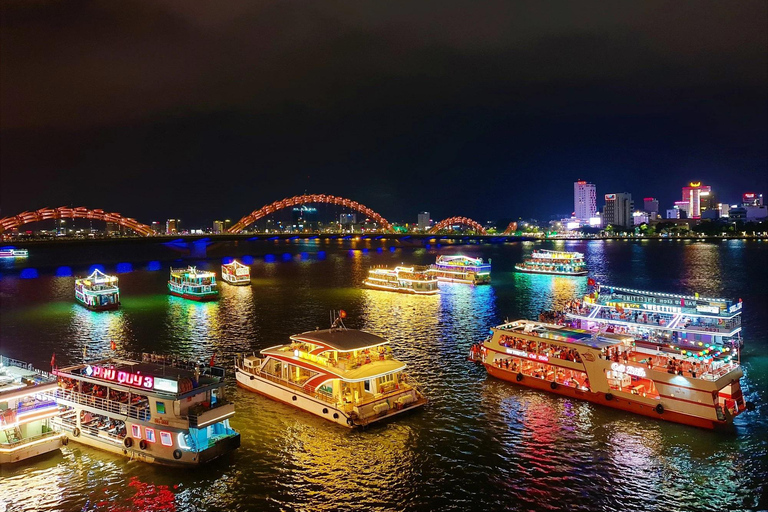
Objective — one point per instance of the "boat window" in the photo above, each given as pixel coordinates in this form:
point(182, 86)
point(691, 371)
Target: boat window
point(160, 407)
point(166, 439)
point(136, 431)
point(368, 386)
point(150, 434)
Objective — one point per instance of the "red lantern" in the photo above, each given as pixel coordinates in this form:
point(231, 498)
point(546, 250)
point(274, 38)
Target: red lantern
point(342, 313)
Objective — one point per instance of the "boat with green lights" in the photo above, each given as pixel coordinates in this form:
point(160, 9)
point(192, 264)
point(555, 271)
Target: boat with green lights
point(461, 269)
point(98, 291)
point(560, 263)
point(193, 284)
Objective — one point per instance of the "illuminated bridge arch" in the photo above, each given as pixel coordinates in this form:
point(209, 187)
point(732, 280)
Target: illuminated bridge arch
point(309, 198)
point(447, 223)
point(511, 228)
point(64, 212)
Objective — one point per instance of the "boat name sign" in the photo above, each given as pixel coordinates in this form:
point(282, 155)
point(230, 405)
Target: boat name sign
point(631, 370)
point(121, 377)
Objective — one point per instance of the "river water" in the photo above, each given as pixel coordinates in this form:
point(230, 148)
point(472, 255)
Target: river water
point(481, 444)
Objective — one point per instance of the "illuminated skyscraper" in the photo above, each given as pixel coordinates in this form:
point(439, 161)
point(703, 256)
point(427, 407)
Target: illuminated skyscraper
point(698, 198)
point(618, 210)
point(584, 201)
point(423, 221)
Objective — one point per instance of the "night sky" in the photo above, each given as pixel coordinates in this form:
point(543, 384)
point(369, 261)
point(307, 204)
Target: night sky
point(203, 110)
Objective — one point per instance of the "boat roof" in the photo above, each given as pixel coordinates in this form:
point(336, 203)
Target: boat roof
point(343, 340)
point(459, 258)
point(690, 305)
point(646, 296)
point(570, 254)
point(234, 263)
point(16, 380)
point(98, 277)
point(559, 333)
point(191, 272)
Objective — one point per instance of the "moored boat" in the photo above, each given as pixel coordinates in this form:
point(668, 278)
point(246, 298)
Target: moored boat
point(155, 409)
point(10, 252)
point(461, 269)
point(414, 279)
point(190, 283)
point(561, 263)
point(610, 370)
point(98, 291)
point(236, 273)
point(27, 407)
point(343, 375)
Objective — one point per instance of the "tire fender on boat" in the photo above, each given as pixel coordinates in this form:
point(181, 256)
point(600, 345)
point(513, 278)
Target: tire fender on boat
point(608, 397)
point(325, 410)
point(64, 440)
point(177, 454)
point(294, 398)
point(127, 442)
point(143, 444)
point(519, 377)
point(75, 432)
point(660, 409)
point(350, 422)
point(335, 415)
point(553, 385)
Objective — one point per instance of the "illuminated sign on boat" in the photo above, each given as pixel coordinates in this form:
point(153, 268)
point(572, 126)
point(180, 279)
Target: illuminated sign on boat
point(517, 352)
point(631, 370)
point(735, 307)
point(708, 309)
point(168, 385)
point(121, 377)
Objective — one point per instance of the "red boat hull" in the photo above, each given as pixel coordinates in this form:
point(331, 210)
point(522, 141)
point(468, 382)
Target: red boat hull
point(600, 398)
point(198, 298)
point(105, 307)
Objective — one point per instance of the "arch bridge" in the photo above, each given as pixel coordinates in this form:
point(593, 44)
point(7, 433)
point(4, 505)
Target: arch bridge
point(464, 221)
point(64, 212)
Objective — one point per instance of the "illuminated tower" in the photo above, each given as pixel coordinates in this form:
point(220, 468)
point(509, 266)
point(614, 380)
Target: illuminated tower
point(696, 196)
point(584, 201)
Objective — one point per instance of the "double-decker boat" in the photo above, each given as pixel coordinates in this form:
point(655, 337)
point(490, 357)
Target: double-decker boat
point(461, 269)
point(156, 410)
point(561, 263)
point(190, 283)
point(344, 375)
point(98, 291)
point(611, 370)
point(13, 253)
point(414, 279)
point(236, 273)
point(688, 321)
point(26, 408)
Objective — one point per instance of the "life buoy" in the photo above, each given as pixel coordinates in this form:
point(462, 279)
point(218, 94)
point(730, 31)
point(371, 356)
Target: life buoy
point(553, 385)
point(350, 422)
point(660, 409)
point(325, 410)
point(65, 440)
point(519, 377)
point(75, 432)
point(608, 397)
point(127, 442)
point(143, 444)
point(177, 454)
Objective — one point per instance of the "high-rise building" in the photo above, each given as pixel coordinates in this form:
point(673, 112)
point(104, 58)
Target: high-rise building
point(618, 210)
point(155, 226)
point(698, 197)
point(651, 205)
point(751, 199)
point(218, 227)
point(673, 213)
point(172, 226)
point(423, 221)
point(584, 201)
point(347, 219)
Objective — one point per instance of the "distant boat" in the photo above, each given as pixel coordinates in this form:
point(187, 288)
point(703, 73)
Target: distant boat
point(461, 269)
point(560, 263)
point(98, 291)
point(413, 279)
point(236, 273)
point(193, 284)
point(14, 253)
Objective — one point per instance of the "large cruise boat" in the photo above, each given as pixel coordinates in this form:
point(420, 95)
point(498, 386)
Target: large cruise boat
point(26, 408)
point(190, 283)
point(688, 321)
point(236, 273)
point(611, 370)
point(155, 410)
point(343, 375)
point(561, 263)
point(98, 291)
point(461, 269)
point(414, 279)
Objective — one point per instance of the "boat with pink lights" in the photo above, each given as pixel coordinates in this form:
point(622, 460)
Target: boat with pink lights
point(154, 409)
point(417, 280)
point(611, 370)
point(561, 263)
point(461, 269)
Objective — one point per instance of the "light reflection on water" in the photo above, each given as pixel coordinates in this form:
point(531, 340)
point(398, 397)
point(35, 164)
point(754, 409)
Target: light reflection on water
point(480, 443)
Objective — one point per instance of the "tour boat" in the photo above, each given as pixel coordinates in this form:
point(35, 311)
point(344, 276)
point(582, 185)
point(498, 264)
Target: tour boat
point(561, 263)
point(13, 253)
point(461, 269)
point(98, 291)
point(155, 410)
point(344, 375)
point(688, 321)
point(236, 273)
point(190, 283)
point(611, 370)
point(413, 279)
point(27, 407)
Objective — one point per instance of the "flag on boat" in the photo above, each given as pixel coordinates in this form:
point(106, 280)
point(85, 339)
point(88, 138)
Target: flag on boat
point(113, 345)
point(213, 358)
point(590, 281)
point(53, 360)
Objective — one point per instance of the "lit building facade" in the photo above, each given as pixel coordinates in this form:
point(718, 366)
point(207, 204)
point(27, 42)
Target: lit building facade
point(172, 226)
point(751, 199)
point(618, 210)
point(423, 221)
point(651, 207)
point(698, 197)
point(218, 227)
point(584, 201)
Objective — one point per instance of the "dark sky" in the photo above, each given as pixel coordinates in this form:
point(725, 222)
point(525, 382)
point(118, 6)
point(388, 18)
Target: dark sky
point(202, 110)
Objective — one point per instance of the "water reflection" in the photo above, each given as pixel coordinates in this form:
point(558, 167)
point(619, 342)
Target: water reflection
point(93, 331)
point(535, 293)
point(190, 326)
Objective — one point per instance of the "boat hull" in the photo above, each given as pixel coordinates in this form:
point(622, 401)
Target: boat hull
point(307, 403)
point(198, 298)
point(600, 398)
point(410, 291)
point(463, 281)
point(105, 307)
point(548, 273)
point(31, 449)
point(237, 283)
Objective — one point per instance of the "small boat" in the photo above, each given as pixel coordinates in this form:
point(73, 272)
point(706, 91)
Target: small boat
point(343, 375)
point(236, 273)
point(27, 406)
point(413, 279)
point(611, 370)
point(98, 291)
point(13, 253)
point(154, 409)
point(193, 284)
point(560, 263)
point(461, 269)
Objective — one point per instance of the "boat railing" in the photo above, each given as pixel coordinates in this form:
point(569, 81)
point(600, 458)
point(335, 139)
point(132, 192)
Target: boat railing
point(25, 440)
point(118, 408)
point(321, 395)
point(37, 404)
